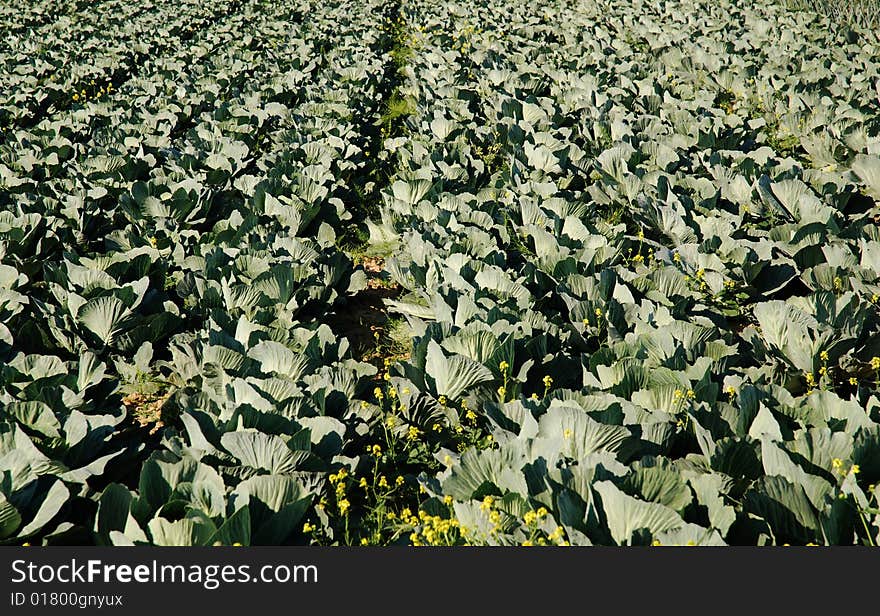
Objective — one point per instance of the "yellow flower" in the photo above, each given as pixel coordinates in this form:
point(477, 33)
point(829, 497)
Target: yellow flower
point(598, 312)
point(823, 355)
point(855, 469)
point(541, 512)
point(344, 505)
point(503, 366)
point(383, 482)
point(364, 541)
point(447, 500)
point(308, 528)
point(502, 391)
point(875, 363)
point(399, 481)
point(530, 518)
point(442, 400)
point(853, 381)
point(413, 433)
point(527, 542)
point(691, 394)
point(548, 381)
point(567, 433)
point(836, 463)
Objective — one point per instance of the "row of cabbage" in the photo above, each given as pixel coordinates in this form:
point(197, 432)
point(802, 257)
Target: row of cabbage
point(22, 15)
point(639, 241)
point(637, 246)
point(865, 13)
point(174, 243)
point(85, 55)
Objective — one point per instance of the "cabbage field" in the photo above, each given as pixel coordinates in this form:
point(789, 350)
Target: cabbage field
point(409, 272)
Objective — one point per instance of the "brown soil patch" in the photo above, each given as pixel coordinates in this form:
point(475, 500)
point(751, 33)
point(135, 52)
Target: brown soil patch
point(364, 321)
point(146, 409)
